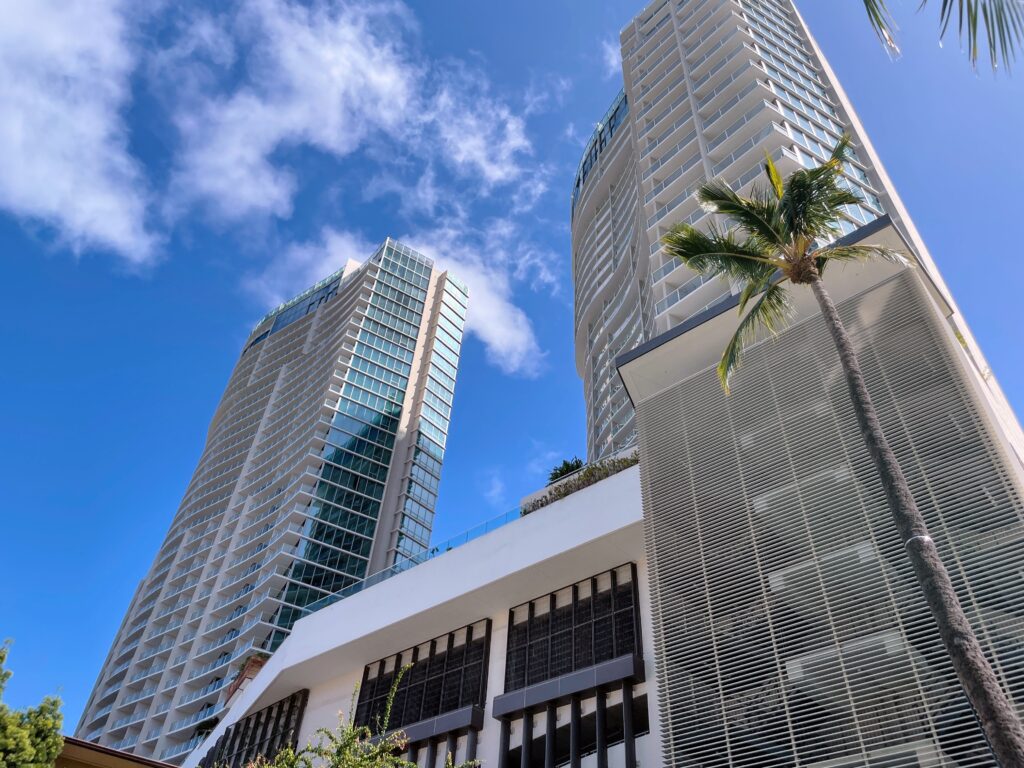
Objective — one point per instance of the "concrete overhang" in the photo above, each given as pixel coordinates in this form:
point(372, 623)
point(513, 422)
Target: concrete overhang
point(595, 528)
point(696, 344)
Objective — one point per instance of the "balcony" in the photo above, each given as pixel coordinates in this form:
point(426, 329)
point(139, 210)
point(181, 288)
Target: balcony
point(179, 749)
point(213, 687)
point(126, 743)
point(134, 717)
point(203, 714)
point(156, 651)
point(101, 712)
point(143, 694)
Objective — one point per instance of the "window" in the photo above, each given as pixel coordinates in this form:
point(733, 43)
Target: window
point(576, 627)
point(444, 674)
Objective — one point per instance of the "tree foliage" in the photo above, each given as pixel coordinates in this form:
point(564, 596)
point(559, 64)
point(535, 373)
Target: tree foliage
point(591, 473)
point(30, 737)
point(784, 232)
point(567, 467)
point(1002, 22)
point(354, 746)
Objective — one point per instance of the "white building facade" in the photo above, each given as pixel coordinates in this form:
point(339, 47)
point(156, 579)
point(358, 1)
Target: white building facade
point(321, 467)
point(710, 86)
point(546, 645)
point(740, 599)
point(789, 626)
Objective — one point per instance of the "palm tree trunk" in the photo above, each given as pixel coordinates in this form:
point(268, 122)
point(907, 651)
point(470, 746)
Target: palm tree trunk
point(996, 714)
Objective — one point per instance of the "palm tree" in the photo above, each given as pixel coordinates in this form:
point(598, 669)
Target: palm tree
point(784, 235)
point(1002, 20)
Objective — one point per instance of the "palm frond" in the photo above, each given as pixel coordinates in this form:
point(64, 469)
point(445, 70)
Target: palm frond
point(813, 199)
point(759, 214)
point(774, 177)
point(755, 284)
point(883, 24)
point(1002, 20)
point(769, 312)
point(861, 253)
point(841, 151)
point(717, 253)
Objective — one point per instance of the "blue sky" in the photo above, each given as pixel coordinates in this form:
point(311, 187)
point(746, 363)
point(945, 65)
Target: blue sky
point(172, 170)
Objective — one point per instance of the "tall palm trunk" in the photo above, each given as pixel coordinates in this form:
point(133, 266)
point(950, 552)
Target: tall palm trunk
point(997, 716)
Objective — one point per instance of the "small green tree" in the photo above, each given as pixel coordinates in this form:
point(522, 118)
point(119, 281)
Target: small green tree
point(567, 467)
point(29, 738)
point(354, 746)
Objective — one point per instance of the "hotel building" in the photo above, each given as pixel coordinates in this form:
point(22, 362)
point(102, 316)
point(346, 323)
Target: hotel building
point(321, 467)
point(710, 86)
point(741, 598)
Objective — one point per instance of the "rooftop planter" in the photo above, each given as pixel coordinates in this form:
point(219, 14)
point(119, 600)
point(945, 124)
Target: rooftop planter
point(590, 474)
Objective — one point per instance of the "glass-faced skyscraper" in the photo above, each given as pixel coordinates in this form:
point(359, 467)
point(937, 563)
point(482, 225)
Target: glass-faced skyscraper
point(710, 86)
point(321, 467)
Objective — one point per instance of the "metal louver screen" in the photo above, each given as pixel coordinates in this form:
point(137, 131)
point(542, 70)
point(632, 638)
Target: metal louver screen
point(788, 626)
point(261, 734)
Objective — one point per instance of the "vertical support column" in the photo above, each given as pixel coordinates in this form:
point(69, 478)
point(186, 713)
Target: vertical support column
point(549, 736)
point(503, 744)
point(412, 754)
point(471, 738)
point(524, 753)
point(451, 746)
point(601, 723)
point(628, 731)
point(431, 754)
point(575, 733)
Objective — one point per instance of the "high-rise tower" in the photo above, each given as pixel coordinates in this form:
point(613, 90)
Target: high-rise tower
point(710, 87)
point(321, 467)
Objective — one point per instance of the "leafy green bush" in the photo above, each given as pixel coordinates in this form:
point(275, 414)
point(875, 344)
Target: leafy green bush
point(30, 737)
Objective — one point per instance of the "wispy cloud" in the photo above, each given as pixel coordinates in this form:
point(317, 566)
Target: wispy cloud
point(572, 135)
point(490, 259)
point(303, 264)
point(545, 92)
point(247, 87)
point(65, 70)
point(611, 55)
point(327, 77)
point(544, 458)
point(337, 78)
point(494, 488)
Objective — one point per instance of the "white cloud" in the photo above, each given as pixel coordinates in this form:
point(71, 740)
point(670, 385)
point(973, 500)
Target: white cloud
point(336, 77)
point(544, 91)
point(489, 260)
point(494, 489)
point(479, 134)
point(65, 71)
point(422, 197)
point(573, 136)
point(611, 54)
point(327, 76)
point(303, 264)
point(543, 460)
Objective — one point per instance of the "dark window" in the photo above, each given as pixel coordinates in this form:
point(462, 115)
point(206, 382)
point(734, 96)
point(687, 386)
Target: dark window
point(576, 627)
point(445, 674)
point(588, 734)
point(263, 733)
